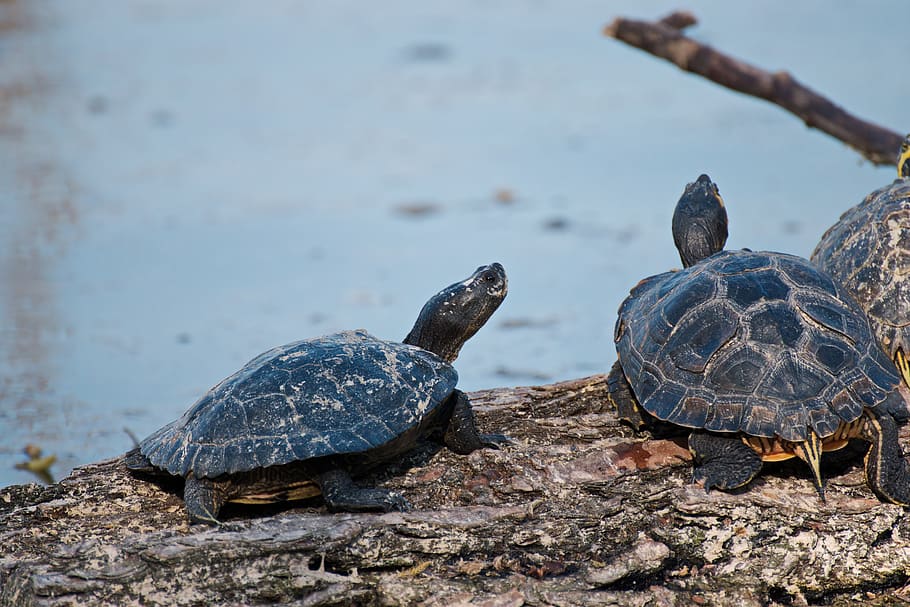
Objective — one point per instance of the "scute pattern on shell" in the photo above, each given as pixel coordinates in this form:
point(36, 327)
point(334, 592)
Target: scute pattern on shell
point(344, 393)
point(868, 251)
point(757, 342)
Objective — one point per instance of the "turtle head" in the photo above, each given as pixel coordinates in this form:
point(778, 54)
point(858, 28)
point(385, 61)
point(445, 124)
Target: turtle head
point(455, 314)
point(903, 158)
point(699, 222)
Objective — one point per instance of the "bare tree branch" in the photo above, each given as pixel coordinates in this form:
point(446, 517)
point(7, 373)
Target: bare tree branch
point(664, 39)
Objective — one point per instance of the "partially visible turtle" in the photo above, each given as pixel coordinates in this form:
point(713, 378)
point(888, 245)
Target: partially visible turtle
point(868, 251)
point(760, 354)
point(300, 420)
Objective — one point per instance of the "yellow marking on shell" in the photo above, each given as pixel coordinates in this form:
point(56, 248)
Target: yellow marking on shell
point(777, 450)
point(770, 449)
point(834, 445)
point(903, 365)
point(294, 491)
point(904, 158)
point(777, 457)
point(766, 447)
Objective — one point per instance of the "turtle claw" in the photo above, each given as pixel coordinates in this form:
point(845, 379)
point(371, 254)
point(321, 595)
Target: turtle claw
point(396, 502)
point(383, 500)
point(708, 481)
point(207, 519)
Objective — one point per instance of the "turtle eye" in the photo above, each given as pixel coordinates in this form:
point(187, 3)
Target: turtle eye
point(490, 276)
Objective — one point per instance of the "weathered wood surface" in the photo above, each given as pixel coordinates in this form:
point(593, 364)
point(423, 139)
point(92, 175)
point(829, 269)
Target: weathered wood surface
point(579, 511)
point(664, 39)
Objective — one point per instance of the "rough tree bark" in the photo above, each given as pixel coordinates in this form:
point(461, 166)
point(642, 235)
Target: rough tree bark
point(580, 511)
point(664, 39)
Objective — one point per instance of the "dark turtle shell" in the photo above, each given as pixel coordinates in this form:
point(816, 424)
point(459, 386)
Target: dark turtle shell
point(339, 394)
point(756, 342)
point(868, 251)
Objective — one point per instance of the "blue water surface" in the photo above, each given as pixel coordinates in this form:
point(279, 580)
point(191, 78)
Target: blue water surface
point(184, 185)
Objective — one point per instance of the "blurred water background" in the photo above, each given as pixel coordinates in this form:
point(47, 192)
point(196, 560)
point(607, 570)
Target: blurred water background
point(186, 184)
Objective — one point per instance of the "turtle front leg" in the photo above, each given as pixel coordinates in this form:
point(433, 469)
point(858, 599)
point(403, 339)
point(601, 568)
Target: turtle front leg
point(342, 495)
point(722, 462)
point(204, 498)
point(887, 471)
point(461, 436)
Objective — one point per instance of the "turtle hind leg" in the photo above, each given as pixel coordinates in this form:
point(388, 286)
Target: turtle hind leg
point(623, 399)
point(203, 498)
point(887, 471)
point(342, 495)
point(722, 462)
point(810, 451)
point(461, 435)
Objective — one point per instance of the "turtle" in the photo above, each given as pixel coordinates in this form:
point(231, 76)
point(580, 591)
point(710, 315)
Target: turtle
point(758, 355)
point(868, 251)
point(302, 419)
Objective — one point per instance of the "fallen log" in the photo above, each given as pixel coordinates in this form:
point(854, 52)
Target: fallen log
point(579, 511)
point(665, 39)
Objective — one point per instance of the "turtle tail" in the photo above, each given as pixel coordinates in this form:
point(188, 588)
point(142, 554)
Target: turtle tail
point(810, 451)
point(623, 399)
